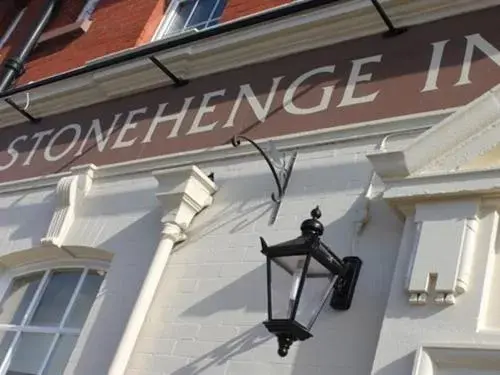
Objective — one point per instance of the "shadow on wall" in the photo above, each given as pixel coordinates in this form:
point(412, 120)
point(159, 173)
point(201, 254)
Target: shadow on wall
point(250, 197)
point(123, 283)
point(29, 226)
point(343, 342)
point(242, 343)
point(249, 203)
point(246, 294)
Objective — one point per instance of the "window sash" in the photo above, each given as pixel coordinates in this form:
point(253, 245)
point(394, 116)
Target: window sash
point(167, 25)
point(57, 330)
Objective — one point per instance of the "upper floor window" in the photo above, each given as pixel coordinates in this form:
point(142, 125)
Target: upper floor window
point(41, 316)
point(186, 15)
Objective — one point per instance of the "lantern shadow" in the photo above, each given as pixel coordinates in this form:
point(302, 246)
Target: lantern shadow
point(240, 344)
point(344, 342)
point(245, 294)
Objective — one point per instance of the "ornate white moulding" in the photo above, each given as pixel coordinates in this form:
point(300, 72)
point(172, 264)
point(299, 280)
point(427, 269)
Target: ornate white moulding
point(440, 182)
point(456, 359)
point(70, 192)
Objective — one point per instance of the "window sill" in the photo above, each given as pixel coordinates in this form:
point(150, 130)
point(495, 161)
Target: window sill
point(79, 26)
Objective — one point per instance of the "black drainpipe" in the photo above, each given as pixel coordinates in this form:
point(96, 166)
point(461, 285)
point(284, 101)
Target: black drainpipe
point(13, 66)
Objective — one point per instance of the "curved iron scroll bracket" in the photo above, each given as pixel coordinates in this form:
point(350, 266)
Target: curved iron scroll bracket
point(281, 169)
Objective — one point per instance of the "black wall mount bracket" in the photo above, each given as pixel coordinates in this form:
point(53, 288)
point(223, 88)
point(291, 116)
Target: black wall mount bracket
point(279, 163)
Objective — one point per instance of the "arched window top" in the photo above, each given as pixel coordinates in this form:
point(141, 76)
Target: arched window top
point(38, 256)
point(42, 312)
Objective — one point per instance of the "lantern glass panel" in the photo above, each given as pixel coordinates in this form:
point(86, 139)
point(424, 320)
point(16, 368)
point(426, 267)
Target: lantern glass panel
point(285, 289)
point(290, 263)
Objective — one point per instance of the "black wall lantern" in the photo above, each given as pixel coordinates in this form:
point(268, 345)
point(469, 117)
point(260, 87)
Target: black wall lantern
point(309, 262)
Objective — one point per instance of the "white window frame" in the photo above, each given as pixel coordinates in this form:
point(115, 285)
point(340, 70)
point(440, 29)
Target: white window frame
point(46, 267)
point(162, 32)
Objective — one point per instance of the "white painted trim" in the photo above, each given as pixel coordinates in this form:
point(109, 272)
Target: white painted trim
point(456, 355)
point(485, 183)
point(471, 130)
point(163, 29)
point(300, 32)
point(70, 193)
point(9, 274)
point(52, 264)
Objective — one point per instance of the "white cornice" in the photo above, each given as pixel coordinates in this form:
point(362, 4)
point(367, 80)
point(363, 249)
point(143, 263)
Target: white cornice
point(468, 133)
point(483, 183)
point(304, 31)
point(428, 167)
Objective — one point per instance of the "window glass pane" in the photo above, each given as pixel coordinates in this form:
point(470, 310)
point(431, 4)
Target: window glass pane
point(5, 342)
point(212, 23)
point(181, 15)
point(30, 353)
point(201, 12)
point(18, 298)
point(60, 356)
point(85, 299)
point(219, 9)
point(56, 296)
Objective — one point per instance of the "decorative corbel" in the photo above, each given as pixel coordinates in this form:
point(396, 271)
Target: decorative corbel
point(70, 191)
point(183, 193)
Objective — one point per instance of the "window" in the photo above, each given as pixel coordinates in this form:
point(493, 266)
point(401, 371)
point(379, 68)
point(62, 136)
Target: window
point(41, 316)
point(186, 15)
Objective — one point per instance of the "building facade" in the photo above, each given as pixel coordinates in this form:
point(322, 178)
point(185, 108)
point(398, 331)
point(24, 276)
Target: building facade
point(136, 179)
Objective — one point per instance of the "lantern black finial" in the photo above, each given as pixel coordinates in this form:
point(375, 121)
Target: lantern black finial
point(316, 213)
point(313, 226)
point(284, 343)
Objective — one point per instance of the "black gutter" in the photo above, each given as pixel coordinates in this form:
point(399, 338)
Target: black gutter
point(163, 45)
point(13, 66)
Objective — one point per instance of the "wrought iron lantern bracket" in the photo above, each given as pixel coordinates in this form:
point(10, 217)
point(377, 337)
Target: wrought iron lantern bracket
point(280, 166)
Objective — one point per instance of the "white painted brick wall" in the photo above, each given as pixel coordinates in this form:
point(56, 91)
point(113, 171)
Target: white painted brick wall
point(207, 314)
point(211, 301)
point(206, 318)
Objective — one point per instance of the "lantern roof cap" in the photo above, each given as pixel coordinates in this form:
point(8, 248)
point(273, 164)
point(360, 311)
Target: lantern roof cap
point(313, 226)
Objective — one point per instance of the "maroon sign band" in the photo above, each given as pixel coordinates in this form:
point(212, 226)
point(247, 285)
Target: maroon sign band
point(432, 66)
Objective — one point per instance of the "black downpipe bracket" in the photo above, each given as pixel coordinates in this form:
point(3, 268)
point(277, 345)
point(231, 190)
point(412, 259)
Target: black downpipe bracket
point(13, 66)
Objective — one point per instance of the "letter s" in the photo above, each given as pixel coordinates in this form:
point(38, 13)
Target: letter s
point(13, 152)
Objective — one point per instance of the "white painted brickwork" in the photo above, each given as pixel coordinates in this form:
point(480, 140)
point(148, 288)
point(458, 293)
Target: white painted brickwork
point(206, 317)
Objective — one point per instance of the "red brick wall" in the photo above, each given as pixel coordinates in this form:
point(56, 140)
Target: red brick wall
point(68, 12)
point(24, 27)
point(240, 8)
point(116, 25)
